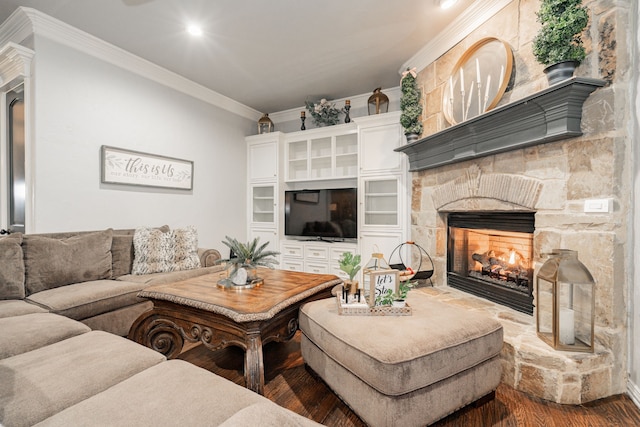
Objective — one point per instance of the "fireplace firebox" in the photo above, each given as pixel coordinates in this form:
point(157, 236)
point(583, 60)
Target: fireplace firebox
point(490, 255)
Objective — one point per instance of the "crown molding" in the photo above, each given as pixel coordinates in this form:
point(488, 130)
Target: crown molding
point(15, 62)
point(46, 26)
point(471, 19)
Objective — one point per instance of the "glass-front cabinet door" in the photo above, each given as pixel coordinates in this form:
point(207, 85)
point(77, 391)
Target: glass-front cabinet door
point(380, 201)
point(263, 204)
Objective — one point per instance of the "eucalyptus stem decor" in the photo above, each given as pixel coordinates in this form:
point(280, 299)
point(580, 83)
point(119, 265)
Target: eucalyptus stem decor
point(559, 39)
point(410, 105)
point(323, 113)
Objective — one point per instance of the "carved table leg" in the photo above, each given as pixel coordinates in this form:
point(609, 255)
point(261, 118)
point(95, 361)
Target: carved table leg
point(254, 363)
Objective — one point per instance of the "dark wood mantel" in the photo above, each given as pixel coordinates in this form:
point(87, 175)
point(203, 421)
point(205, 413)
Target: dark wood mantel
point(549, 115)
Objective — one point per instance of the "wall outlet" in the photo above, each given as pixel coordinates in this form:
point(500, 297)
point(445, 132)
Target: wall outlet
point(598, 205)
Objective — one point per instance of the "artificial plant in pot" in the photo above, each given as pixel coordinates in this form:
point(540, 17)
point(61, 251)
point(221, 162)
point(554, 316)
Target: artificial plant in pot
point(350, 264)
point(410, 106)
point(558, 44)
point(245, 259)
point(396, 299)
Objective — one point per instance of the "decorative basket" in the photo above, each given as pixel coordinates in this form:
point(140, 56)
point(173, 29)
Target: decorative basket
point(378, 310)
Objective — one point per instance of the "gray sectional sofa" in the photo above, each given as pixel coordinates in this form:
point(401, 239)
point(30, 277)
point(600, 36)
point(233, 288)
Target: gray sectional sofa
point(66, 299)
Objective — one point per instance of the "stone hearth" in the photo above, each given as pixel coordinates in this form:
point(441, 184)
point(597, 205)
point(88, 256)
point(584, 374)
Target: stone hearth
point(534, 179)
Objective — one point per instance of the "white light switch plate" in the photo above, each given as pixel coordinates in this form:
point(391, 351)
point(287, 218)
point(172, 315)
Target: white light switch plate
point(597, 206)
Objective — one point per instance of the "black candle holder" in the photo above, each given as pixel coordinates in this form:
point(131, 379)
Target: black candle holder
point(302, 119)
point(347, 119)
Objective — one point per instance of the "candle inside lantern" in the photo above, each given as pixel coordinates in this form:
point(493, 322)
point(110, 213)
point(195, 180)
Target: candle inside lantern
point(567, 326)
point(302, 113)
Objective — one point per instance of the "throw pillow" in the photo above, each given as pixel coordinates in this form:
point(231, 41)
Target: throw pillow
point(50, 263)
point(185, 244)
point(152, 251)
point(11, 267)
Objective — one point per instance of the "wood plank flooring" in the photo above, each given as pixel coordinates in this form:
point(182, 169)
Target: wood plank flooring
point(290, 384)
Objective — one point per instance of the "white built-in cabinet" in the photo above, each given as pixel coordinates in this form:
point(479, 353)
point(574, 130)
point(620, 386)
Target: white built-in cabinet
point(382, 185)
point(263, 169)
point(354, 154)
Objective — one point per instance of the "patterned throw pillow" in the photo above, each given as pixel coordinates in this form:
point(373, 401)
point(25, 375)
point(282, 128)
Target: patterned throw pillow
point(156, 251)
point(185, 255)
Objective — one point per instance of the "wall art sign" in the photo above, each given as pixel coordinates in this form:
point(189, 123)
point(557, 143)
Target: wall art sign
point(120, 166)
point(380, 282)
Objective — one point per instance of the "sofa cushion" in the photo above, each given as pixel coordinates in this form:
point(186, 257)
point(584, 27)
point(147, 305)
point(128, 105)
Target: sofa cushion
point(264, 414)
point(87, 299)
point(159, 252)
point(18, 307)
point(170, 277)
point(31, 331)
point(181, 394)
point(43, 382)
point(400, 354)
point(50, 262)
point(11, 267)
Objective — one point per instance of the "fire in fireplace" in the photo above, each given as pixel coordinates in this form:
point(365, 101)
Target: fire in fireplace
point(490, 255)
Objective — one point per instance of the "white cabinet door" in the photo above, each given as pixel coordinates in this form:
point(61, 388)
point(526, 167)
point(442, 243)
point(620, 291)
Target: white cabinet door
point(266, 235)
point(263, 204)
point(381, 199)
point(382, 242)
point(377, 144)
point(263, 161)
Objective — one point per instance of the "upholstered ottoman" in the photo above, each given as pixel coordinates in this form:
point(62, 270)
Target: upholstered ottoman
point(403, 370)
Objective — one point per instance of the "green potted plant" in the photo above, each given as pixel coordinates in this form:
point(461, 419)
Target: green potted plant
point(350, 264)
point(244, 260)
point(410, 106)
point(558, 44)
point(396, 299)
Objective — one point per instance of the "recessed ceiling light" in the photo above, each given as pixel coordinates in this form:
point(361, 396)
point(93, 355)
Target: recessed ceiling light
point(194, 30)
point(446, 4)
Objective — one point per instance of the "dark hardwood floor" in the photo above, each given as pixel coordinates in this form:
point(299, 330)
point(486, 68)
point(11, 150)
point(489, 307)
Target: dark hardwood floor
point(290, 384)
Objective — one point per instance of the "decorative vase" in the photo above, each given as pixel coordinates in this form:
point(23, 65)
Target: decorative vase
point(351, 286)
point(411, 137)
point(560, 71)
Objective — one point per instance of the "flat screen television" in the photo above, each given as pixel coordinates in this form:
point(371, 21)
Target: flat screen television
point(330, 214)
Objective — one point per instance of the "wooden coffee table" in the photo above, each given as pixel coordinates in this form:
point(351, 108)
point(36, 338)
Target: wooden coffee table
point(197, 310)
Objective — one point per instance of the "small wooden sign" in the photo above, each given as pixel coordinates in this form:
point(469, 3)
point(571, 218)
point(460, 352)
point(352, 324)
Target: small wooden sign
point(380, 282)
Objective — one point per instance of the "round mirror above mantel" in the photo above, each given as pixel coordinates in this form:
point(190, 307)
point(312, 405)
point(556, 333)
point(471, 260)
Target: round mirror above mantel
point(478, 80)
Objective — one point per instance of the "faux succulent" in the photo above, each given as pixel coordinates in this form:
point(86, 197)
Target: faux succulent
point(250, 253)
point(350, 264)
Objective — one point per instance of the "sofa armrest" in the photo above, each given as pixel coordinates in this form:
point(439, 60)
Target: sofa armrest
point(208, 257)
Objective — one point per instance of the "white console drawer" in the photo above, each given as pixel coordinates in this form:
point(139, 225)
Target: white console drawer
point(316, 253)
point(292, 250)
point(292, 265)
point(317, 268)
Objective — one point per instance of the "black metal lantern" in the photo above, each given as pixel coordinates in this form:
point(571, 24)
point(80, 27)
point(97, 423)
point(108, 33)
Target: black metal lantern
point(378, 102)
point(565, 302)
point(265, 125)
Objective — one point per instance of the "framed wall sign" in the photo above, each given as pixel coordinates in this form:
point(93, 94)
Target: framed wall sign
point(380, 282)
point(120, 166)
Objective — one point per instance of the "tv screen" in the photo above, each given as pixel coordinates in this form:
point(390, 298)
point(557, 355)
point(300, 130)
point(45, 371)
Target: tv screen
point(321, 214)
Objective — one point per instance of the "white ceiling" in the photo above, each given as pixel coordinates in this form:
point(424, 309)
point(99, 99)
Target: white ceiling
point(270, 55)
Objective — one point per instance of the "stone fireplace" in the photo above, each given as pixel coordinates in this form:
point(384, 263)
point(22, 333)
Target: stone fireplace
point(549, 183)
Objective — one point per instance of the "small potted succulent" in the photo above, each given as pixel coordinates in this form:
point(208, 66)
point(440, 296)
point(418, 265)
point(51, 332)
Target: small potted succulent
point(558, 44)
point(350, 264)
point(244, 260)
